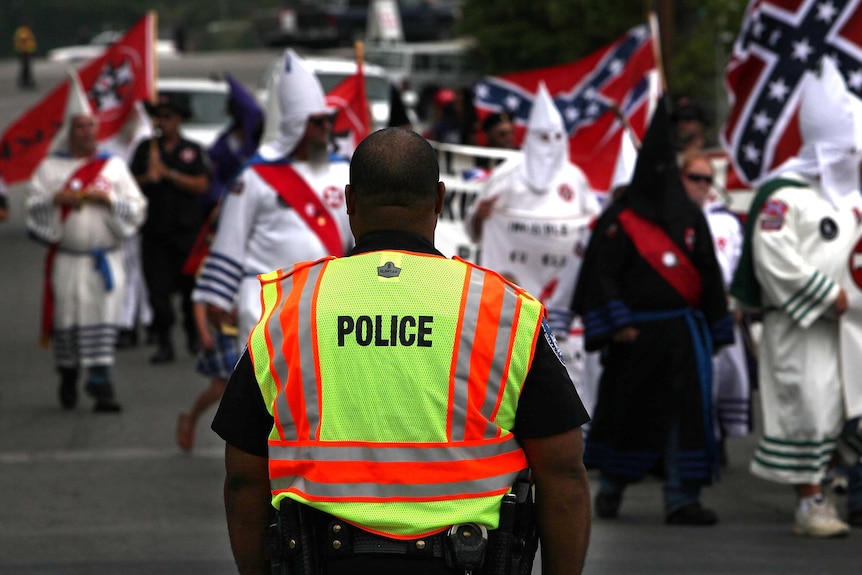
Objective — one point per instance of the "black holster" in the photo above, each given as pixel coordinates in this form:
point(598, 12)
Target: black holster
point(291, 547)
point(512, 546)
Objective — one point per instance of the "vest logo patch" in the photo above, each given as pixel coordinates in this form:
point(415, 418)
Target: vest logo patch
point(772, 215)
point(188, 155)
point(388, 270)
point(552, 341)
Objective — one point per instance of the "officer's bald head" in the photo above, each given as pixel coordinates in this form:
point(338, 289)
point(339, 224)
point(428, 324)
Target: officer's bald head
point(394, 167)
point(394, 184)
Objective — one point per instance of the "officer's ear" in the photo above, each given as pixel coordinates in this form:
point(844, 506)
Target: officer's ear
point(441, 196)
point(350, 200)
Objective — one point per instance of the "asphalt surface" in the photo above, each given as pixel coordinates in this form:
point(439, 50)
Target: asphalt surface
point(97, 494)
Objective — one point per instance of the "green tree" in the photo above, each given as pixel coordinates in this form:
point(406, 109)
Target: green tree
point(513, 35)
point(64, 22)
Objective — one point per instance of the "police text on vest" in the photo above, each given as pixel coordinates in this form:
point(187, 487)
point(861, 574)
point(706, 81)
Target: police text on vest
point(383, 332)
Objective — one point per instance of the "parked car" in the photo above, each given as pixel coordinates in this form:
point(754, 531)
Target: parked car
point(341, 22)
point(331, 72)
point(98, 44)
point(424, 67)
point(208, 102)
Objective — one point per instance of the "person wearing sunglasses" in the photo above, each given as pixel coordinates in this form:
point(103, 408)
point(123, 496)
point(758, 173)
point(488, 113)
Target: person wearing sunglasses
point(287, 205)
point(731, 383)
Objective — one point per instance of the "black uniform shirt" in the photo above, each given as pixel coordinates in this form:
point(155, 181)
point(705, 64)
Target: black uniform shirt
point(549, 404)
point(171, 209)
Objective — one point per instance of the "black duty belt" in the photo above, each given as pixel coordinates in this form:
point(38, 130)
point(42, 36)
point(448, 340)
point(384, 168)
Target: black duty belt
point(341, 538)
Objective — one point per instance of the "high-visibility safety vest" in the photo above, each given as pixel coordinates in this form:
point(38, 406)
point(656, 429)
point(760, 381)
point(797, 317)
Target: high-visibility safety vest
point(393, 395)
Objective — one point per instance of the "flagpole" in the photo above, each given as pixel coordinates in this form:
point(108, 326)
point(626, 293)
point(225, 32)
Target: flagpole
point(626, 124)
point(154, 54)
point(359, 50)
point(154, 156)
point(656, 45)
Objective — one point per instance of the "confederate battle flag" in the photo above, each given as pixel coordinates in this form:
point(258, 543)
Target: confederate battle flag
point(598, 96)
point(778, 42)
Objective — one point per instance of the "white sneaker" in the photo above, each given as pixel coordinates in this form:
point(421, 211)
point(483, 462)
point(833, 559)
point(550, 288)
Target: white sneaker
point(819, 519)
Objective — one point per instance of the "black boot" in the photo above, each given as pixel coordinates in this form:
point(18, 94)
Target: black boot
point(105, 400)
point(127, 338)
point(165, 351)
point(193, 343)
point(68, 387)
point(100, 388)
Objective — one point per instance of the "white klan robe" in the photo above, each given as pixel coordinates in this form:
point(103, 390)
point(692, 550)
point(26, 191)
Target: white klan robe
point(803, 247)
point(258, 231)
point(88, 273)
point(731, 385)
point(86, 311)
point(583, 367)
point(543, 203)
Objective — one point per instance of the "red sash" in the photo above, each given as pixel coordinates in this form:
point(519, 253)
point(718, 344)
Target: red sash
point(299, 195)
point(79, 180)
point(655, 247)
point(201, 247)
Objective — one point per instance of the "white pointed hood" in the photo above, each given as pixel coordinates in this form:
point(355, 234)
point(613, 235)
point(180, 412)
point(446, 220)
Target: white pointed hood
point(830, 123)
point(77, 104)
point(545, 145)
point(295, 94)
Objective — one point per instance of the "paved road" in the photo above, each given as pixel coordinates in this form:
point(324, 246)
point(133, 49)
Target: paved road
point(96, 494)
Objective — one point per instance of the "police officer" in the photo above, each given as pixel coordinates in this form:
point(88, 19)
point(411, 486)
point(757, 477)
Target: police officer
point(388, 401)
point(173, 173)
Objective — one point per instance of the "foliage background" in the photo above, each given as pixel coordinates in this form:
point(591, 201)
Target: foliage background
point(512, 34)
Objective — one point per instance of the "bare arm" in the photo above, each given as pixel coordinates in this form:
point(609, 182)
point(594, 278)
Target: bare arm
point(484, 207)
point(562, 500)
point(247, 504)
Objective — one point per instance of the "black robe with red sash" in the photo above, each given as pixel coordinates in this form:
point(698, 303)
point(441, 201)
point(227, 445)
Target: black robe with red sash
point(665, 282)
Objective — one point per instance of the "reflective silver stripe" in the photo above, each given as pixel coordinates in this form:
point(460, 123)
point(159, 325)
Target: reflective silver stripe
point(306, 345)
point(501, 360)
point(279, 363)
point(412, 491)
point(278, 368)
point(393, 454)
point(464, 345)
